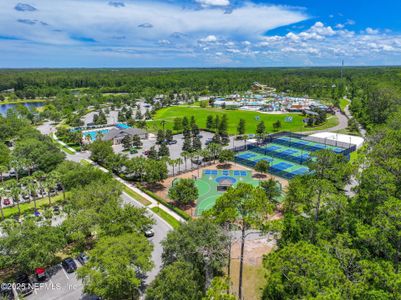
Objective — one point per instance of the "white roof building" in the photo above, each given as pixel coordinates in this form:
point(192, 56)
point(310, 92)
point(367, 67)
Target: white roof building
point(339, 137)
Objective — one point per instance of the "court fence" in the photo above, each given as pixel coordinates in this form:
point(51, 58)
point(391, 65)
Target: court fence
point(292, 140)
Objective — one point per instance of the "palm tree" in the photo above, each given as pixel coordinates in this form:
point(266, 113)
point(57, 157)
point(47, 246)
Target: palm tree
point(179, 163)
point(191, 156)
point(215, 150)
point(25, 182)
point(197, 155)
point(3, 169)
point(205, 153)
point(173, 163)
point(39, 177)
point(50, 184)
point(17, 164)
point(57, 176)
point(3, 193)
point(14, 193)
point(32, 187)
point(245, 138)
point(30, 165)
point(185, 155)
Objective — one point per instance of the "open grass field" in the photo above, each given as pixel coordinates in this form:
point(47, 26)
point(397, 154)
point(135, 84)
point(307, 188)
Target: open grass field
point(252, 119)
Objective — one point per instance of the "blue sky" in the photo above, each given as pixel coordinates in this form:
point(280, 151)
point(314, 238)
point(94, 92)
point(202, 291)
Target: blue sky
point(198, 33)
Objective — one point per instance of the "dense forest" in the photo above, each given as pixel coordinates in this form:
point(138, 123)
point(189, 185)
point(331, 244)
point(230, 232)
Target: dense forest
point(315, 82)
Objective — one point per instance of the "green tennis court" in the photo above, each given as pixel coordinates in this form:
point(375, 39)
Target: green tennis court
point(213, 183)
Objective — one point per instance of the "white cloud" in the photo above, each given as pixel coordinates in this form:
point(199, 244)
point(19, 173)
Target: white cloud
point(371, 31)
point(208, 39)
point(166, 31)
point(213, 2)
point(98, 20)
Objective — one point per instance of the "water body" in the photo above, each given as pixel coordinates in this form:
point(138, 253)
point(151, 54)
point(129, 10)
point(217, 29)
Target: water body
point(5, 107)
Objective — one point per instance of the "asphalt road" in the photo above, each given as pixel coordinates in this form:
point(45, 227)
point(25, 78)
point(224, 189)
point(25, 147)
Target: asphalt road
point(161, 229)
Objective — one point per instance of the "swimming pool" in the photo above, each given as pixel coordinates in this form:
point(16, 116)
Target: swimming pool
point(93, 134)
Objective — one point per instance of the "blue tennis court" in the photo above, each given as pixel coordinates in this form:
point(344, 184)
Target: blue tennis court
point(282, 166)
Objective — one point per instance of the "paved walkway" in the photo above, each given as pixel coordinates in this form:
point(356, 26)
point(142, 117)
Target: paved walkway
point(342, 124)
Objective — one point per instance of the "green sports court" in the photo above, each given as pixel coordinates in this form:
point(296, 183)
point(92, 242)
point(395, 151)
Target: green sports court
point(213, 183)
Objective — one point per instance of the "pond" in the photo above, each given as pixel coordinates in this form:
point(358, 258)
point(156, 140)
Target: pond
point(5, 107)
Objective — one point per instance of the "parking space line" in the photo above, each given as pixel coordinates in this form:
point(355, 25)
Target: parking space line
point(65, 273)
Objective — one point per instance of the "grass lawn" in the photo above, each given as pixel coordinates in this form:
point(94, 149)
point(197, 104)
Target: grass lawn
point(166, 217)
point(343, 103)
point(25, 207)
point(136, 196)
point(62, 147)
point(253, 280)
point(7, 101)
point(168, 114)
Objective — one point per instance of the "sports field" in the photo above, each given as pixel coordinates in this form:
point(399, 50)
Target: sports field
point(278, 166)
point(252, 119)
point(298, 156)
point(207, 186)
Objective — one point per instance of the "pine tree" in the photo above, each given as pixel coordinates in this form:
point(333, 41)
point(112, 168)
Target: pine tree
point(241, 127)
point(209, 122)
point(164, 151)
point(187, 145)
point(196, 144)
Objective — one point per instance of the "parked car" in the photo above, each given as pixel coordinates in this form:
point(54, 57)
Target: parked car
point(208, 141)
point(6, 292)
point(197, 161)
point(24, 285)
point(59, 187)
point(133, 151)
point(69, 265)
point(82, 258)
point(56, 209)
point(200, 136)
point(149, 232)
point(53, 192)
point(41, 274)
point(6, 201)
point(25, 196)
point(173, 142)
point(146, 152)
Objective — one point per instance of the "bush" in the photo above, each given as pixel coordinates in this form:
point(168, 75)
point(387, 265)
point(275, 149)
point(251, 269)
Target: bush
point(165, 203)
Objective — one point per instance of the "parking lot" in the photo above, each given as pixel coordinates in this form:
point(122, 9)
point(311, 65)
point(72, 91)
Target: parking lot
point(175, 149)
point(61, 286)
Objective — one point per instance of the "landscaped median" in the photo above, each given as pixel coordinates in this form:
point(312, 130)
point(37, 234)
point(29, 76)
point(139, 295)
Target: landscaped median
point(61, 145)
point(166, 217)
point(136, 196)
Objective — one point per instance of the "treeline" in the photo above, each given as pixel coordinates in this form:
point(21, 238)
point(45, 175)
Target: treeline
point(315, 82)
